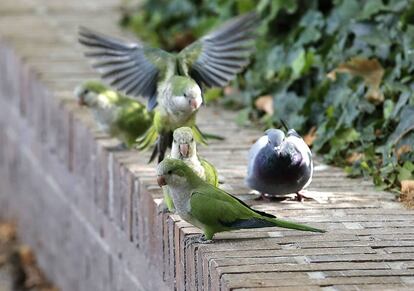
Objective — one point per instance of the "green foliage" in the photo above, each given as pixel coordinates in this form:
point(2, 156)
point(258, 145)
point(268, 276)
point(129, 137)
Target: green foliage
point(299, 43)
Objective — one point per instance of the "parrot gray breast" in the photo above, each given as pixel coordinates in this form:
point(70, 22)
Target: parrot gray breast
point(279, 166)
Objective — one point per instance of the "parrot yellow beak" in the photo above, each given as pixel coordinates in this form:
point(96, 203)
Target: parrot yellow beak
point(161, 181)
point(184, 150)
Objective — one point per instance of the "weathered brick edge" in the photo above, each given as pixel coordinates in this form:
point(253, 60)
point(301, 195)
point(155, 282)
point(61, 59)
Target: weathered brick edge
point(86, 211)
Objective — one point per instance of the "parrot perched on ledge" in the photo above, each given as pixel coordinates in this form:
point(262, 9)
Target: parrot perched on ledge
point(116, 114)
point(210, 208)
point(172, 82)
point(184, 148)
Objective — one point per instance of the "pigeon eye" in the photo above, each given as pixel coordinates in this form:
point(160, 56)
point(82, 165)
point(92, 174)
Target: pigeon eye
point(192, 139)
point(185, 95)
point(169, 172)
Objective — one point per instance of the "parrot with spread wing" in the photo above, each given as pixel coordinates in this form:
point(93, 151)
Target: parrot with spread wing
point(210, 208)
point(116, 114)
point(184, 148)
point(172, 82)
point(280, 164)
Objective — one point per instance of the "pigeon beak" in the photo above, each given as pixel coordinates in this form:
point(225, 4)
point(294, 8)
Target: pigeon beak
point(161, 181)
point(184, 149)
point(194, 104)
point(277, 149)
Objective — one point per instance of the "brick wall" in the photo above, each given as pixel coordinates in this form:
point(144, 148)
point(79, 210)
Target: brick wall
point(86, 214)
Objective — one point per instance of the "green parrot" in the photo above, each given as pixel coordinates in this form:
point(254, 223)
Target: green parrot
point(210, 208)
point(116, 114)
point(184, 148)
point(173, 82)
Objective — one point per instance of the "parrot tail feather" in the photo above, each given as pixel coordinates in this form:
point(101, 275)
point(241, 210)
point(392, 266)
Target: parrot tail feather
point(147, 139)
point(202, 137)
point(293, 225)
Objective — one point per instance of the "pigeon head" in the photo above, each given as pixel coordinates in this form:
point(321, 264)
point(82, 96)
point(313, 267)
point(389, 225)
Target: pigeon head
point(275, 136)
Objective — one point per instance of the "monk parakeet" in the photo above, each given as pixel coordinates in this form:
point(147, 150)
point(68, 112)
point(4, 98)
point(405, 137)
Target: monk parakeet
point(116, 114)
point(184, 148)
point(172, 82)
point(279, 164)
point(210, 208)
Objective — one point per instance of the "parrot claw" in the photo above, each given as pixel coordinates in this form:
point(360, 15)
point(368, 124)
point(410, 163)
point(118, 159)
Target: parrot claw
point(163, 208)
point(201, 239)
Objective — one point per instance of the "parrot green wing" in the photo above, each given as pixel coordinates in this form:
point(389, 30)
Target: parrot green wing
point(216, 58)
point(210, 173)
point(218, 209)
point(130, 67)
point(133, 120)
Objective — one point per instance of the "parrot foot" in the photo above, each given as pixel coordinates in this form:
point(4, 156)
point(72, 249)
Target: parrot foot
point(163, 209)
point(201, 239)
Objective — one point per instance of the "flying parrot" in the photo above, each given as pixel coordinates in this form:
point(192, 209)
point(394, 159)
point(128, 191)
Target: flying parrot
point(184, 148)
point(210, 208)
point(279, 164)
point(116, 114)
point(172, 83)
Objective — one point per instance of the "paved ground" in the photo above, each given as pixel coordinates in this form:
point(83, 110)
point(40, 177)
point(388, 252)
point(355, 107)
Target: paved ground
point(370, 239)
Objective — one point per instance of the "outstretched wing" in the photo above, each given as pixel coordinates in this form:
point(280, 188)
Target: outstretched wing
point(215, 59)
point(129, 67)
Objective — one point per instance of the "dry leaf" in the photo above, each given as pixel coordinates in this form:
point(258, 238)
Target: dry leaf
point(26, 256)
point(352, 158)
point(265, 103)
point(310, 137)
point(407, 190)
point(402, 150)
point(7, 232)
point(229, 90)
point(407, 186)
point(370, 70)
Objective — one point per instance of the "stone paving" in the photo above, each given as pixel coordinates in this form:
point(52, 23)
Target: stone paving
point(370, 240)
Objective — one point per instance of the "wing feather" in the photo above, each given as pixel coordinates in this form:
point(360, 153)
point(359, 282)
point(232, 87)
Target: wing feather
point(127, 66)
point(215, 59)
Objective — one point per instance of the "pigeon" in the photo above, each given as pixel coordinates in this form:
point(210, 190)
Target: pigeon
point(279, 164)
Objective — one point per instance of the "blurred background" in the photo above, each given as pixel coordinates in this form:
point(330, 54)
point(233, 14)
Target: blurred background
point(338, 71)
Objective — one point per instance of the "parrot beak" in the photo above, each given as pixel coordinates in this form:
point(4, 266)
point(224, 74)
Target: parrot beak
point(161, 181)
point(184, 149)
point(194, 104)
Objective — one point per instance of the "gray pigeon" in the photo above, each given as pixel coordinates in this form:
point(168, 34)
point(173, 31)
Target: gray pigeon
point(279, 164)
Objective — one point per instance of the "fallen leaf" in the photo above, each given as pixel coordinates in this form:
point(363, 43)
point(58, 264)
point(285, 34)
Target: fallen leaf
point(352, 158)
point(407, 186)
point(370, 70)
point(310, 137)
point(229, 90)
point(402, 150)
point(265, 103)
point(407, 193)
point(26, 256)
point(7, 232)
